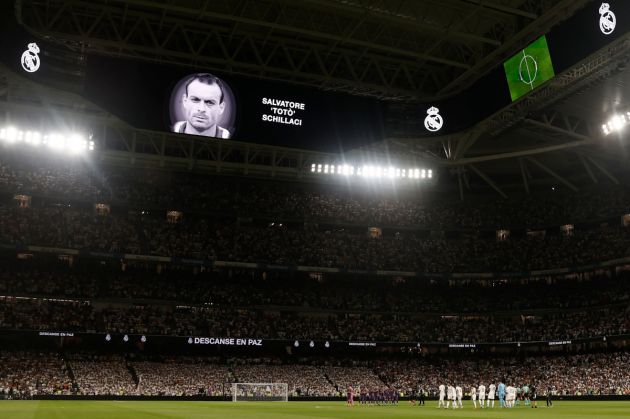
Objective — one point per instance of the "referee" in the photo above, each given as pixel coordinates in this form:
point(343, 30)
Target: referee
point(420, 396)
point(549, 401)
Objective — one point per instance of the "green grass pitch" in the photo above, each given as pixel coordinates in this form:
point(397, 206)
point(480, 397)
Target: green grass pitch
point(18, 409)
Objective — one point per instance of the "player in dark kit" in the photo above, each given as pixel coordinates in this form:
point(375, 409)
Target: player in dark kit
point(363, 395)
point(549, 401)
point(420, 396)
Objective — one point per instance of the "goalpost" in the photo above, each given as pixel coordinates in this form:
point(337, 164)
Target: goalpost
point(260, 392)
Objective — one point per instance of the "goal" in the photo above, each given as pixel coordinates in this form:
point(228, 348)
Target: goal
point(260, 392)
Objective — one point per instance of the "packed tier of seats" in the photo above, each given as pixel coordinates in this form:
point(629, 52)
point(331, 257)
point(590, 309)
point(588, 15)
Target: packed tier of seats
point(27, 374)
point(45, 315)
point(404, 251)
point(302, 291)
point(198, 193)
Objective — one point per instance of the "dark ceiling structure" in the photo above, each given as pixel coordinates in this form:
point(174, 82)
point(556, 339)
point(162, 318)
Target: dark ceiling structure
point(389, 49)
point(398, 51)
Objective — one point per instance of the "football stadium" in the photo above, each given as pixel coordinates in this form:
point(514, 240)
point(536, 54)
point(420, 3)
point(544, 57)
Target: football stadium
point(314, 208)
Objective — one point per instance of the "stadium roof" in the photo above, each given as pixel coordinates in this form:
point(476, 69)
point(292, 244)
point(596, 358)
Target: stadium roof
point(389, 49)
point(399, 51)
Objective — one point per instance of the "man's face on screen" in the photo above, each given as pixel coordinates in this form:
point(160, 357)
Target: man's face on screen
point(203, 105)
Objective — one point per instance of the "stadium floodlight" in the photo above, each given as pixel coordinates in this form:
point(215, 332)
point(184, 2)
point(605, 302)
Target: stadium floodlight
point(70, 143)
point(616, 123)
point(371, 171)
point(54, 141)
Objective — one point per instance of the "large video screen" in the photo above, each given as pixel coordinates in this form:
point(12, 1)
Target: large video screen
point(528, 69)
point(205, 103)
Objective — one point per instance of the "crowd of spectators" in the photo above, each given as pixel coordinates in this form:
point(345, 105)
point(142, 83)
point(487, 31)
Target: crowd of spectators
point(29, 374)
point(49, 315)
point(182, 376)
point(302, 292)
point(64, 227)
point(321, 226)
point(145, 189)
point(306, 380)
point(97, 375)
point(585, 374)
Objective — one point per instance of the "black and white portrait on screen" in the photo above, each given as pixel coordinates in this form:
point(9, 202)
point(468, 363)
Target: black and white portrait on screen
point(203, 104)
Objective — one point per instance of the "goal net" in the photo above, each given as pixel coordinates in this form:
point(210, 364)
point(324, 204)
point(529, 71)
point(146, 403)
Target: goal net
point(260, 392)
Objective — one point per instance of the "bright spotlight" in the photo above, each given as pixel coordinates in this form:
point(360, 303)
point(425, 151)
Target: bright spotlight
point(12, 134)
point(616, 123)
point(368, 171)
point(72, 143)
point(75, 144)
point(55, 141)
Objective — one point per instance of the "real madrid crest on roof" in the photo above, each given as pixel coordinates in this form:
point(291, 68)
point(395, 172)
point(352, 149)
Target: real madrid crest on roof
point(607, 19)
point(30, 59)
point(433, 122)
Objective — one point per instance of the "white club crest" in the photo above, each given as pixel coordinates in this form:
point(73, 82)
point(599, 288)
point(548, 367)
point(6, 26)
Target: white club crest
point(607, 19)
point(190, 340)
point(30, 59)
point(433, 122)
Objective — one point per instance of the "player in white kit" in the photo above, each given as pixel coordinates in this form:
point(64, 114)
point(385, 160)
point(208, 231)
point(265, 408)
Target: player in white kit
point(442, 389)
point(482, 395)
point(473, 396)
point(510, 396)
point(459, 393)
point(450, 396)
point(491, 390)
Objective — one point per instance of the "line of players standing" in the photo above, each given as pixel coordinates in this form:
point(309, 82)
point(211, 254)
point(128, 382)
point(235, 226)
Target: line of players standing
point(509, 396)
point(379, 396)
point(451, 396)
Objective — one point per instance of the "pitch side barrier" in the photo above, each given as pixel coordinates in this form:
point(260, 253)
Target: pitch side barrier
point(218, 264)
point(296, 399)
